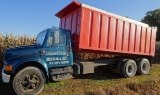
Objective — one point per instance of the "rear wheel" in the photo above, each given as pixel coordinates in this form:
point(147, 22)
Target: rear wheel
point(119, 65)
point(143, 66)
point(129, 68)
point(28, 81)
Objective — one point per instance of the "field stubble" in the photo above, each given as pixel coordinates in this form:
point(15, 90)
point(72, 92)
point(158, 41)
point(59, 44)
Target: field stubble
point(101, 83)
point(107, 83)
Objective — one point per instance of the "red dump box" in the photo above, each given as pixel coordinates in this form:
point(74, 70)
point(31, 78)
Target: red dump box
point(95, 29)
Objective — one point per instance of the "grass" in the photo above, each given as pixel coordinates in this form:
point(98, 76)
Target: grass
point(61, 83)
point(108, 83)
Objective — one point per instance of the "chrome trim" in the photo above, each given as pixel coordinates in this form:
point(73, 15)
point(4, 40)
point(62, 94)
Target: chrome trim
point(5, 77)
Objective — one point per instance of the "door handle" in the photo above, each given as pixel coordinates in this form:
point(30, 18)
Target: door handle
point(42, 51)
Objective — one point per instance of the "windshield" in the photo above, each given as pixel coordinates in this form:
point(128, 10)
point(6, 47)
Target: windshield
point(41, 37)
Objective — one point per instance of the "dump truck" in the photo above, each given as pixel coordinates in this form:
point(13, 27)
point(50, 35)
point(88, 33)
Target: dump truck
point(106, 39)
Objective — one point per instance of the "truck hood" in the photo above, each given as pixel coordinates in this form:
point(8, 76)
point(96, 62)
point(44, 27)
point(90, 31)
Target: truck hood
point(21, 51)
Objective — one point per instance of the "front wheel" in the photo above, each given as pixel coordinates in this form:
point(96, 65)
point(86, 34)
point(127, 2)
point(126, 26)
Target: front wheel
point(28, 81)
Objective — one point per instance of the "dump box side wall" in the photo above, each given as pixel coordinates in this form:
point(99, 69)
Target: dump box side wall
point(95, 30)
point(105, 32)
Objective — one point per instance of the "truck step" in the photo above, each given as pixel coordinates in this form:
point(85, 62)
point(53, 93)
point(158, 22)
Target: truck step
point(61, 77)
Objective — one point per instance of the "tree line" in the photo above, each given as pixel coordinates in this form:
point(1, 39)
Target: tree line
point(152, 18)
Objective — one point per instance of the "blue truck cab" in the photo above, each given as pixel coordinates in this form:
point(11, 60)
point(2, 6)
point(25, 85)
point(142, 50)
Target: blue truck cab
point(29, 67)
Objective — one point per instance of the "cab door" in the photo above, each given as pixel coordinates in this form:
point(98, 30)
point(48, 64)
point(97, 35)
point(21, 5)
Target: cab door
point(58, 51)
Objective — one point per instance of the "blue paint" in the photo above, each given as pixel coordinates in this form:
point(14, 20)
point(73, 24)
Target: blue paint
point(54, 51)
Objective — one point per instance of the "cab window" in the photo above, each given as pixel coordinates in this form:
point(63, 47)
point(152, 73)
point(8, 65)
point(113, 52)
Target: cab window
point(57, 39)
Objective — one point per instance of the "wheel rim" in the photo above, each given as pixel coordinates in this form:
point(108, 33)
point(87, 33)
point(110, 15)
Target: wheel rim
point(144, 67)
point(30, 82)
point(130, 69)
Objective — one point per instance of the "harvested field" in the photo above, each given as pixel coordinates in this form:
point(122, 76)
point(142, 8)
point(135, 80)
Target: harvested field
point(101, 83)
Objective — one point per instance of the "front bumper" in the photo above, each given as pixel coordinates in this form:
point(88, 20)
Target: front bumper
point(5, 77)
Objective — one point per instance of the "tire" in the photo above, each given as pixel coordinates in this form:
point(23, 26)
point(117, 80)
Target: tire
point(29, 81)
point(143, 66)
point(129, 68)
point(119, 65)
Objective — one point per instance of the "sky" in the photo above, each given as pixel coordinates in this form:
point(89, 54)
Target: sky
point(32, 16)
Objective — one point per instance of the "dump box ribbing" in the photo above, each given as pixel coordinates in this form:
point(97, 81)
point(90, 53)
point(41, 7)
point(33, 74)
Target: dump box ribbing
point(97, 30)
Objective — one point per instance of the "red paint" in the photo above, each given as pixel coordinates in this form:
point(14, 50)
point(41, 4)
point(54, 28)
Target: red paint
point(93, 29)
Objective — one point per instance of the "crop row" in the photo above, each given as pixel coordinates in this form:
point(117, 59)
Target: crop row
point(10, 40)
